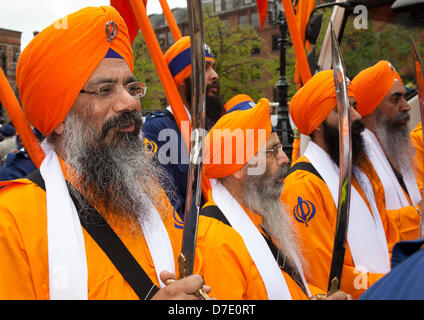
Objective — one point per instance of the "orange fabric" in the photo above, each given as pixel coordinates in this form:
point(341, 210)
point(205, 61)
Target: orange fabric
point(246, 129)
point(14, 110)
point(299, 49)
point(177, 48)
point(371, 85)
point(124, 9)
point(262, 11)
point(312, 104)
point(24, 272)
point(318, 234)
point(237, 99)
point(237, 277)
point(56, 64)
point(417, 140)
point(303, 11)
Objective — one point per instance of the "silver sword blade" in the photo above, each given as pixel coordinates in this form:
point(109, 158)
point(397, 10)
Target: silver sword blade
point(345, 165)
point(195, 170)
point(419, 74)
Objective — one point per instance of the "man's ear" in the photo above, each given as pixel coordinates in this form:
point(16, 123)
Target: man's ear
point(240, 173)
point(59, 129)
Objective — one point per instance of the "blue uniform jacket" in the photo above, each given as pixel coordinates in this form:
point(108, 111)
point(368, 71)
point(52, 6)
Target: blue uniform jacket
point(406, 279)
point(17, 165)
point(171, 152)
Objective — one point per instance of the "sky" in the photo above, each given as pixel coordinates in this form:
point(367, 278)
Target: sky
point(28, 16)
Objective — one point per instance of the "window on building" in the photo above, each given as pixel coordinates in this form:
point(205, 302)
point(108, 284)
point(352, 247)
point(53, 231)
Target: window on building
point(217, 5)
point(161, 39)
point(170, 39)
point(3, 59)
point(243, 19)
point(248, 1)
point(255, 20)
point(227, 5)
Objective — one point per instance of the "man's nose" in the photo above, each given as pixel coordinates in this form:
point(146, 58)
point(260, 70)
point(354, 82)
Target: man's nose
point(354, 115)
point(125, 102)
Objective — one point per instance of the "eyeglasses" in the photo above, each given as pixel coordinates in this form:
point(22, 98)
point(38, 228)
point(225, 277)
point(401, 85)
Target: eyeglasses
point(276, 150)
point(112, 90)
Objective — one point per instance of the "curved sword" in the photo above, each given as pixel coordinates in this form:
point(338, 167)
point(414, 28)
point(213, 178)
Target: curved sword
point(195, 169)
point(419, 73)
point(345, 166)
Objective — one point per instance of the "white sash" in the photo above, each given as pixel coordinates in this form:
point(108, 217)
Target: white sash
point(365, 235)
point(66, 250)
point(394, 195)
point(270, 272)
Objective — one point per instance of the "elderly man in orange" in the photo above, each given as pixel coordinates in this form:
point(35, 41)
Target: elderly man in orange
point(91, 223)
point(311, 192)
point(381, 102)
point(246, 247)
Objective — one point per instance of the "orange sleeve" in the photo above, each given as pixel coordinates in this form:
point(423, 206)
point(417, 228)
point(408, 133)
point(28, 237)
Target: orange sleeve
point(311, 206)
point(22, 276)
point(407, 221)
point(417, 140)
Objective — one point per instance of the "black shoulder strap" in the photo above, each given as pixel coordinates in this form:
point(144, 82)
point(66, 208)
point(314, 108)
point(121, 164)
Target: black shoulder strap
point(305, 166)
point(216, 213)
point(108, 240)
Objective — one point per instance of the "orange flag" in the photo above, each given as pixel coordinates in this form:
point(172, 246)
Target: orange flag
point(124, 9)
point(16, 114)
point(262, 11)
point(126, 12)
point(303, 11)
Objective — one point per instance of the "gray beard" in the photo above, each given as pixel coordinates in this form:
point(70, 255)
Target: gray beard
point(262, 195)
point(395, 140)
point(119, 174)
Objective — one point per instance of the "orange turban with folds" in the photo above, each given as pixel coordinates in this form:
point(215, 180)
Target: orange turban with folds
point(235, 139)
point(178, 59)
point(371, 85)
point(57, 63)
point(312, 104)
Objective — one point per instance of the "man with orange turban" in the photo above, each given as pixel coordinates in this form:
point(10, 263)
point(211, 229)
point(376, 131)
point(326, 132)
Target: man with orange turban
point(92, 222)
point(160, 127)
point(311, 193)
point(381, 101)
point(246, 247)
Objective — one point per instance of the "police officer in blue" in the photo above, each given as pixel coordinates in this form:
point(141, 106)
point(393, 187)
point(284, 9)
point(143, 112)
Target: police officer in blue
point(18, 163)
point(161, 129)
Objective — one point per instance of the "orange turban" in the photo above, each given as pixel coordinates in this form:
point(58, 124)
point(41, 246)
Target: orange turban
point(57, 63)
point(178, 59)
point(372, 85)
point(235, 139)
point(312, 104)
point(239, 102)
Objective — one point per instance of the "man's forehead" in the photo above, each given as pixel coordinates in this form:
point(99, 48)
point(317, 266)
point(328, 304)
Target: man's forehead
point(397, 88)
point(113, 69)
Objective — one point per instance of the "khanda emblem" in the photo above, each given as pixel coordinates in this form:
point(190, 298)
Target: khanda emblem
point(111, 30)
point(303, 211)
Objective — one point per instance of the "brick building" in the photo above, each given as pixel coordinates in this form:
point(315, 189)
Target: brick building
point(10, 48)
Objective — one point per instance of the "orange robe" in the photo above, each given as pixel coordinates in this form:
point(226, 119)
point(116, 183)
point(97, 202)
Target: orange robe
point(317, 234)
point(417, 140)
point(226, 266)
point(24, 272)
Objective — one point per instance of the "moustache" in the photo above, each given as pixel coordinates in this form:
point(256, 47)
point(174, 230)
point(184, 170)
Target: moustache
point(122, 121)
point(282, 172)
point(357, 127)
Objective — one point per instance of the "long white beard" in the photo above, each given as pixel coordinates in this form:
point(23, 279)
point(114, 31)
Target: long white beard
point(114, 173)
